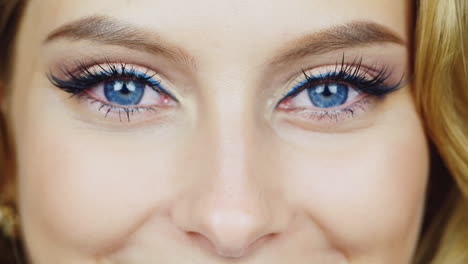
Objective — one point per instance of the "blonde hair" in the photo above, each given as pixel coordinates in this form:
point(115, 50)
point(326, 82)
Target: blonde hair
point(9, 12)
point(10, 251)
point(441, 95)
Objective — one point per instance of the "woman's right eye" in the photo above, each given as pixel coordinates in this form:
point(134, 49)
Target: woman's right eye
point(117, 88)
point(129, 93)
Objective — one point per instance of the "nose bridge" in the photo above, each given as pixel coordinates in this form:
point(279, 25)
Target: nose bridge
point(233, 211)
point(227, 209)
point(229, 125)
point(232, 147)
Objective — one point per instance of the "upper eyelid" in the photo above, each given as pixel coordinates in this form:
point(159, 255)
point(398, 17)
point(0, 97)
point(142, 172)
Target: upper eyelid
point(344, 71)
point(147, 78)
point(315, 79)
point(330, 75)
point(143, 75)
point(303, 82)
point(107, 65)
point(107, 71)
point(358, 72)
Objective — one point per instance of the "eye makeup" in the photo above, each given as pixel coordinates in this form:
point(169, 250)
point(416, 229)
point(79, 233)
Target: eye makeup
point(334, 93)
point(330, 93)
point(116, 88)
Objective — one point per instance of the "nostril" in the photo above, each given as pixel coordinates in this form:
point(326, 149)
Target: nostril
point(229, 252)
point(240, 252)
point(201, 241)
point(257, 243)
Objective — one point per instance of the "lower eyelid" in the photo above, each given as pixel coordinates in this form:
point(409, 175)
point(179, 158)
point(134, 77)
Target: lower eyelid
point(115, 114)
point(328, 116)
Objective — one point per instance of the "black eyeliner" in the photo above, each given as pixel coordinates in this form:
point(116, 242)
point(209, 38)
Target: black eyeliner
point(352, 74)
point(77, 83)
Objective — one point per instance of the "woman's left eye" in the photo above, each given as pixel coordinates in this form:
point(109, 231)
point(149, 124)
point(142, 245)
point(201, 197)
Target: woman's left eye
point(338, 92)
point(322, 96)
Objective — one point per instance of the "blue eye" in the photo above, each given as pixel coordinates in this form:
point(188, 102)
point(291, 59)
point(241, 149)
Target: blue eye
point(328, 95)
point(344, 85)
point(322, 92)
point(337, 92)
point(116, 88)
point(124, 92)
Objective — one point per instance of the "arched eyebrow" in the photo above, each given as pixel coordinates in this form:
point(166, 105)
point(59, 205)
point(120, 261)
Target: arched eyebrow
point(111, 31)
point(350, 35)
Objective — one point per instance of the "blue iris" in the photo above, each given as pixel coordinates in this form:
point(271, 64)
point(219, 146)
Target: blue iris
point(124, 92)
point(328, 95)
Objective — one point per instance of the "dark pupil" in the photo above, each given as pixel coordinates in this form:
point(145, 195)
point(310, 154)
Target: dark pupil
point(124, 92)
point(326, 92)
point(328, 95)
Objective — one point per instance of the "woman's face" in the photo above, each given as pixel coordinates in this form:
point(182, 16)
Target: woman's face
point(217, 132)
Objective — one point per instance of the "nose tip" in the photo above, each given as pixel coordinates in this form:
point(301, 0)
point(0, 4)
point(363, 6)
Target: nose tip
point(232, 234)
point(229, 251)
point(230, 226)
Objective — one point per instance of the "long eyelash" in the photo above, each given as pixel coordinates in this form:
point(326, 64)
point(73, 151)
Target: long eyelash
point(354, 74)
point(335, 115)
point(83, 78)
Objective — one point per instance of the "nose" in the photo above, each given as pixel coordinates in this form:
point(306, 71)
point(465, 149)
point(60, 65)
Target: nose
point(228, 231)
point(232, 204)
point(230, 219)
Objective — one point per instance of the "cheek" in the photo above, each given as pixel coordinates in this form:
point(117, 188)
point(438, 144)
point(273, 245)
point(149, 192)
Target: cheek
point(366, 189)
point(88, 190)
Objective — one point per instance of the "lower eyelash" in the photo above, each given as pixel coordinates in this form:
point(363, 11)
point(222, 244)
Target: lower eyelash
point(108, 108)
point(332, 115)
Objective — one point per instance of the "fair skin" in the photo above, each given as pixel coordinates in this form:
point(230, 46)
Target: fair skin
point(225, 169)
